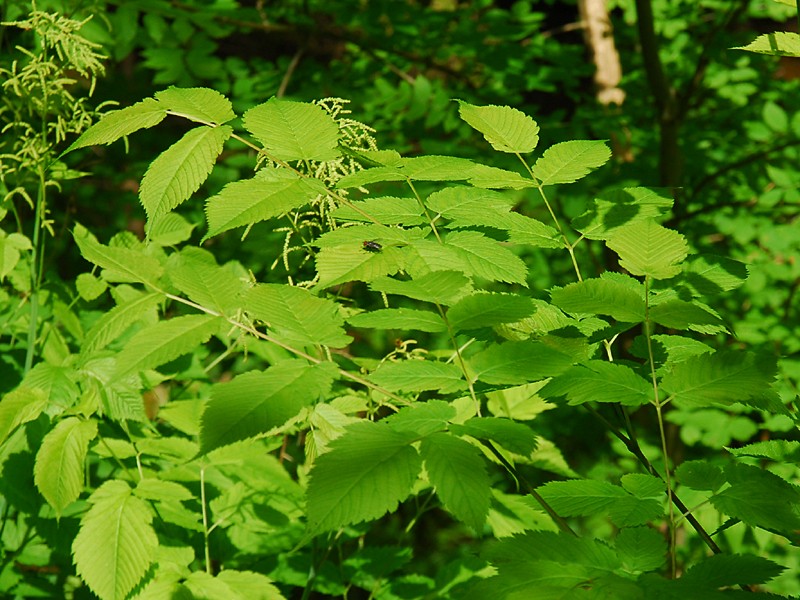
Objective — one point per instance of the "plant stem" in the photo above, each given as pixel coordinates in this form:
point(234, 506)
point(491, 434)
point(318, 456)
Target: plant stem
point(205, 519)
point(660, 416)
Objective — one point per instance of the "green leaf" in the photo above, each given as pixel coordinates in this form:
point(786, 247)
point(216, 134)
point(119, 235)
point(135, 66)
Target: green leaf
point(271, 193)
point(458, 472)
point(165, 341)
point(640, 549)
point(179, 171)
point(493, 178)
point(486, 258)
point(90, 287)
point(649, 249)
point(569, 161)
point(256, 402)
point(513, 436)
point(115, 322)
point(156, 489)
point(58, 472)
point(388, 210)
point(229, 584)
point(700, 475)
point(125, 264)
point(422, 418)
point(419, 376)
point(20, 406)
point(643, 486)
point(623, 300)
point(296, 316)
point(779, 43)
point(759, 498)
point(441, 287)
point(484, 309)
point(678, 314)
point(777, 450)
point(619, 207)
point(340, 264)
point(581, 497)
point(600, 381)
point(168, 230)
point(293, 130)
point(399, 318)
point(119, 123)
point(368, 176)
point(525, 230)
point(518, 362)
point(195, 272)
point(366, 473)
point(520, 403)
point(465, 206)
point(708, 275)
point(116, 543)
point(198, 104)
point(436, 168)
point(721, 378)
point(506, 129)
point(723, 570)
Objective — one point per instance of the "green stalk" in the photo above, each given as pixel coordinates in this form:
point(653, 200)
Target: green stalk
point(658, 405)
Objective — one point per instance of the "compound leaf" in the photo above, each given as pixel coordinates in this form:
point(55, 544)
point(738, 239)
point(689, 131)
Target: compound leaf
point(58, 472)
point(506, 129)
point(365, 474)
point(293, 130)
point(569, 161)
point(179, 171)
point(116, 543)
point(458, 472)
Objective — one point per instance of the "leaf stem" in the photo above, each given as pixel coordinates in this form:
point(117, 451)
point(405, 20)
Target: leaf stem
point(204, 510)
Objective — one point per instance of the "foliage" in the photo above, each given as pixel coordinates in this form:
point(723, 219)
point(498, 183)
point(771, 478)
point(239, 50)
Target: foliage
point(395, 408)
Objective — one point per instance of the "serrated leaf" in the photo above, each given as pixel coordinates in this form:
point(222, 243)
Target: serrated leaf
point(366, 473)
point(679, 314)
point(581, 497)
point(119, 123)
point(179, 171)
point(157, 489)
point(506, 129)
point(486, 258)
point(620, 207)
point(525, 230)
point(368, 176)
point(340, 264)
point(514, 363)
point(124, 263)
point(116, 321)
point(256, 402)
point(399, 318)
point(116, 543)
point(195, 272)
point(296, 316)
point(198, 104)
point(520, 403)
point(20, 406)
point(700, 475)
point(640, 549)
point(777, 450)
point(422, 418)
point(759, 498)
point(458, 472)
point(721, 378)
point(569, 161)
point(168, 230)
point(441, 287)
point(646, 248)
point(600, 381)
point(708, 275)
point(293, 130)
point(513, 436)
point(58, 472)
point(722, 570)
point(642, 485)
point(779, 43)
point(90, 287)
point(622, 301)
point(165, 341)
point(486, 309)
point(419, 376)
point(271, 193)
point(250, 585)
point(388, 210)
point(492, 178)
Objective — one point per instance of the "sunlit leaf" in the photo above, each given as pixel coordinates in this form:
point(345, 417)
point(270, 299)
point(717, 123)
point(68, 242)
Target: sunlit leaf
point(198, 104)
point(506, 129)
point(569, 161)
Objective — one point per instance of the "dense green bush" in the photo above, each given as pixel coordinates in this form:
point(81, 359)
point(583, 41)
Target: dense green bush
point(317, 368)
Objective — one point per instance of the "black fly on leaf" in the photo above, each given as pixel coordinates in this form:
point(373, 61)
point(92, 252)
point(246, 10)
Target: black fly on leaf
point(371, 246)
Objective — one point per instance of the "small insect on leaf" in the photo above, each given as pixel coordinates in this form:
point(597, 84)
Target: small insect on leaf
point(371, 246)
